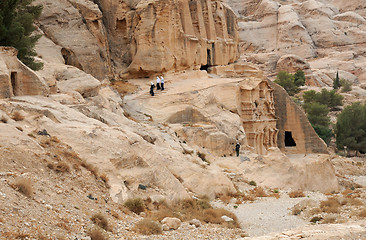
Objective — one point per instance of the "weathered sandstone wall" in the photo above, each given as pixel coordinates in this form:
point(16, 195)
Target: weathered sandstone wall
point(157, 36)
point(16, 79)
point(296, 135)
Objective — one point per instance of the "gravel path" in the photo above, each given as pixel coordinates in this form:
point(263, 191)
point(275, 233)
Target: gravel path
point(268, 215)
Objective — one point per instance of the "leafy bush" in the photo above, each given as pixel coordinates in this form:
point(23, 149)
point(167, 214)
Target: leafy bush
point(135, 205)
point(351, 128)
point(324, 132)
point(289, 82)
point(16, 28)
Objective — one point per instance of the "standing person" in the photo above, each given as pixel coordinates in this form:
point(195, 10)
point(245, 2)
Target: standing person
point(237, 148)
point(152, 86)
point(158, 83)
point(162, 83)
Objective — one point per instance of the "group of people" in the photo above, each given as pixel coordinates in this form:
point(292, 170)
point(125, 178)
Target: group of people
point(159, 85)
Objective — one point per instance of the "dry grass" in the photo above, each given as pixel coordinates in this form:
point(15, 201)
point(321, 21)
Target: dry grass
point(62, 167)
point(123, 88)
point(296, 194)
point(148, 227)
point(100, 220)
point(97, 234)
point(24, 186)
point(17, 116)
point(258, 192)
point(135, 205)
point(199, 209)
point(352, 202)
point(3, 119)
point(329, 219)
point(330, 206)
point(225, 198)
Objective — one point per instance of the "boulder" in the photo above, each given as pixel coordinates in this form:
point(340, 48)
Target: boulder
point(195, 222)
point(171, 223)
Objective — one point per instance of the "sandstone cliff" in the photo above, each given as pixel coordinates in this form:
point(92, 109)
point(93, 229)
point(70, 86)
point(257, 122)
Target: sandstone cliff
point(329, 36)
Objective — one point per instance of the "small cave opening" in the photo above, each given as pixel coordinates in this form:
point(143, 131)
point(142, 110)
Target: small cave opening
point(13, 78)
point(289, 141)
point(204, 67)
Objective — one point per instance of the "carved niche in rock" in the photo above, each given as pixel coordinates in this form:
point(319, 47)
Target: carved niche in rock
point(16, 79)
point(258, 115)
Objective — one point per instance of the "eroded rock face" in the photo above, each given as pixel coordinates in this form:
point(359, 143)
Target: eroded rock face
point(320, 32)
point(296, 135)
point(16, 79)
point(156, 36)
point(76, 26)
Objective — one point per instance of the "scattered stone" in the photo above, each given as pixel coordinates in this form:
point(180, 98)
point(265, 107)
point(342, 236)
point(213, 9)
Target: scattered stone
point(226, 218)
point(172, 223)
point(195, 222)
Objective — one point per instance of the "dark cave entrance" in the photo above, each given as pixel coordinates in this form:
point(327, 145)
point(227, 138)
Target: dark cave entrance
point(289, 141)
point(205, 67)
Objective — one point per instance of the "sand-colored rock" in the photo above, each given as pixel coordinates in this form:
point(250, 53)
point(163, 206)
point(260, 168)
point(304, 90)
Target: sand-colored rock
point(149, 37)
point(171, 222)
point(296, 135)
point(16, 79)
point(77, 27)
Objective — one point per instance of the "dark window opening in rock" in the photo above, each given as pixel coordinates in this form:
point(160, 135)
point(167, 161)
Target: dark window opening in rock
point(13, 78)
point(205, 67)
point(289, 141)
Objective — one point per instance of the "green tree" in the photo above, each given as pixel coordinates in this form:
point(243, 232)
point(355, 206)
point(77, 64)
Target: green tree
point(16, 28)
point(317, 113)
point(351, 128)
point(287, 81)
point(329, 98)
point(324, 132)
point(336, 82)
point(299, 78)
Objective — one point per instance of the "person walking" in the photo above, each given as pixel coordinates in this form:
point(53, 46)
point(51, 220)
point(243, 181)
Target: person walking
point(162, 83)
point(152, 86)
point(158, 83)
point(237, 149)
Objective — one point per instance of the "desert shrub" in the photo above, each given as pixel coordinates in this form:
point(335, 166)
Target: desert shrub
point(225, 198)
point(148, 227)
point(135, 205)
point(213, 215)
point(62, 167)
point(24, 186)
point(296, 194)
point(346, 85)
point(97, 234)
point(329, 219)
point(252, 183)
point(316, 219)
point(330, 206)
point(100, 220)
point(3, 119)
point(350, 129)
point(17, 116)
point(352, 202)
point(258, 192)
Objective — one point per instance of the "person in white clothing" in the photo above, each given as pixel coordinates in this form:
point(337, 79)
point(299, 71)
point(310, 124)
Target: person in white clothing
point(162, 83)
point(158, 83)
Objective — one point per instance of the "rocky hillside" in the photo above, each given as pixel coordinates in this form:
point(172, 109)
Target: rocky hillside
point(318, 36)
